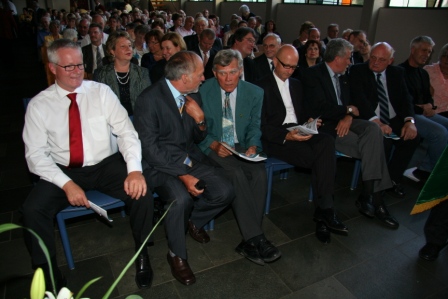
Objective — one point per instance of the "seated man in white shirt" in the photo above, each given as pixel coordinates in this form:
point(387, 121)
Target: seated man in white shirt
point(69, 144)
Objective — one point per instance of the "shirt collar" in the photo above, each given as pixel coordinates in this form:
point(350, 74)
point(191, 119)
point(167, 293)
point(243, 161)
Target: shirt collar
point(173, 89)
point(279, 81)
point(331, 71)
point(63, 93)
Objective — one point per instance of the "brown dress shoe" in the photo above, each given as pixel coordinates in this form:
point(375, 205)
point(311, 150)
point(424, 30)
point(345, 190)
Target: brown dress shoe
point(199, 234)
point(181, 270)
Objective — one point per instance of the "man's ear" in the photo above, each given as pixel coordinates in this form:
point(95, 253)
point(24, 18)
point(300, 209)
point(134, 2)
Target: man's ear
point(52, 68)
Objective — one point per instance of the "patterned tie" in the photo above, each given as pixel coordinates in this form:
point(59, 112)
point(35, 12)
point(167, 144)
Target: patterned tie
point(99, 62)
point(338, 88)
point(205, 58)
point(180, 104)
point(227, 122)
point(74, 121)
point(382, 100)
point(272, 66)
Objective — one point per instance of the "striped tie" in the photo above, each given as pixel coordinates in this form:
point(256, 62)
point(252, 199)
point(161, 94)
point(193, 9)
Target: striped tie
point(227, 122)
point(382, 100)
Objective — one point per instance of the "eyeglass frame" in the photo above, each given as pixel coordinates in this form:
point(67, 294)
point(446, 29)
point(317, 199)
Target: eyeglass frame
point(287, 67)
point(80, 66)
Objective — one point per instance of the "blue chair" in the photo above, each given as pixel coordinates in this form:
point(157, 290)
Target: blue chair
point(105, 201)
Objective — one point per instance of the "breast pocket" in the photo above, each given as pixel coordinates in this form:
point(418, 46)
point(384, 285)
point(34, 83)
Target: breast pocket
point(99, 128)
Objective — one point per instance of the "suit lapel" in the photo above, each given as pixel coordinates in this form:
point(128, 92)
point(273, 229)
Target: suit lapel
point(328, 81)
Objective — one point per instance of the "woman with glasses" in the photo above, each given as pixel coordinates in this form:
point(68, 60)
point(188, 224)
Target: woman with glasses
point(153, 39)
point(171, 43)
point(126, 79)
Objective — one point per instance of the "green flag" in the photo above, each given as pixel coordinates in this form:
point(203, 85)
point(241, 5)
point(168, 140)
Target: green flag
point(436, 187)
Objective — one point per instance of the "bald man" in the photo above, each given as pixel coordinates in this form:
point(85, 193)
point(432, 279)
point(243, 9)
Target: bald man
point(283, 108)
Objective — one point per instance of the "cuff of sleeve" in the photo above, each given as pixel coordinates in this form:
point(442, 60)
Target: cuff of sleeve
point(134, 166)
point(61, 179)
point(373, 118)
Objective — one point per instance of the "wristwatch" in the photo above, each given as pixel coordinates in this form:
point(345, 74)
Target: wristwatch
point(410, 120)
point(349, 110)
point(201, 123)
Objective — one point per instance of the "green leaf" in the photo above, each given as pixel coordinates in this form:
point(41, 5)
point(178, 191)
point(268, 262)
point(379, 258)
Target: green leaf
point(133, 297)
point(10, 226)
point(112, 287)
point(84, 288)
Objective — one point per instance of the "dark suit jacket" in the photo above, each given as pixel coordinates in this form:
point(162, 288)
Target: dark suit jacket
point(417, 80)
point(250, 71)
point(357, 58)
point(192, 43)
point(166, 136)
point(158, 71)
point(321, 99)
point(326, 40)
point(249, 100)
point(262, 66)
point(87, 54)
point(365, 93)
point(273, 112)
point(208, 70)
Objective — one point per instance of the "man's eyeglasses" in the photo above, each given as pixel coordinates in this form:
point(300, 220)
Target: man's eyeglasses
point(287, 66)
point(250, 40)
point(70, 68)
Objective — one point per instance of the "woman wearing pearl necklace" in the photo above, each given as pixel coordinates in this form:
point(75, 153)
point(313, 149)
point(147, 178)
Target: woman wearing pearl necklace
point(126, 79)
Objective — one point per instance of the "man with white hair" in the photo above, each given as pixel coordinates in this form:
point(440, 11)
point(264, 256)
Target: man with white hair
point(192, 41)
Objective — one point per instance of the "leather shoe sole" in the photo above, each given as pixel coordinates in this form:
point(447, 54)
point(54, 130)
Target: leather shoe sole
point(430, 252)
point(250, 252)
point(199, 234)
point(181, 270)
point(323, 233)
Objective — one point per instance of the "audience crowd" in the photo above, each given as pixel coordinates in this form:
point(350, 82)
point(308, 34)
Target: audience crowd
point(258, 88)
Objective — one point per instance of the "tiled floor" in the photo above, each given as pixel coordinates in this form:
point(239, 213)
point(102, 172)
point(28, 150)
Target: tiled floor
point(371, 262)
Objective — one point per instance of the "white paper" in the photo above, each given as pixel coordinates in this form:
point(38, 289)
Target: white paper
point(256, 158)
point(308, 128)
point(392, 136)
point(102, 212)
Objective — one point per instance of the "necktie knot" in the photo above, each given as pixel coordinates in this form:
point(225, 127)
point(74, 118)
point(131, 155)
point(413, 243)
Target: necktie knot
point(72, 96)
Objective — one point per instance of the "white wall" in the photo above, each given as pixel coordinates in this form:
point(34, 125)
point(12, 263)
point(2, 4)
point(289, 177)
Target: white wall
point(399, 26)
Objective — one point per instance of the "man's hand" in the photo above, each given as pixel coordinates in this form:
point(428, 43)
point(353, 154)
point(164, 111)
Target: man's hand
point(344, 126)
point(294, 136)
point(192, 108)
point(189, 182)
point(252, 150)
point(384, 128)
point(427, 109)
point(409, 131)
point(318, 124)
point(220, 149)
point(135, 185)
point(75, 194)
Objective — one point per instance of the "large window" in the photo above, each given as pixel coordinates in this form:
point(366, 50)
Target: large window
point(418, 3)
point(328, 2)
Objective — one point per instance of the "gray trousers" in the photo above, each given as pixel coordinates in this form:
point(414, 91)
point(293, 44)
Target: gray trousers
point(249, 180)
point(365, 141)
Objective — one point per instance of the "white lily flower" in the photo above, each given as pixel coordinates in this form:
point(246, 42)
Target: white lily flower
point(64, 293)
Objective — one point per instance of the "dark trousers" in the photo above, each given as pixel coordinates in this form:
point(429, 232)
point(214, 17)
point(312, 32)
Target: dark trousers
point(47, 199)
point(217, 195)
point(402, 153)
point(249, 180)
point(318, 154)
point(436, 226)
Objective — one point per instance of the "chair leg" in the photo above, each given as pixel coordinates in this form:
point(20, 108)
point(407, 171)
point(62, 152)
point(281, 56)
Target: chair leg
point(310, 195)
point(65, 242)
point(356, 172)
point(210, 225)
point(269, 193)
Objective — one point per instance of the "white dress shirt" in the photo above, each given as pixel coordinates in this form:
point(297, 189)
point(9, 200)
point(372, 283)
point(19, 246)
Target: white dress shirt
point(46, 131)
point(283, 86)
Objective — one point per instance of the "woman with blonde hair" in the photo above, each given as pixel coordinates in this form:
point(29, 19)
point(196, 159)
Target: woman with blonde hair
point(126, 79)
point(171, 43)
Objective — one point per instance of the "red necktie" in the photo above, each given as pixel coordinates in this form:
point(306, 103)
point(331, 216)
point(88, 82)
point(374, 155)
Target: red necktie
point(74, 123)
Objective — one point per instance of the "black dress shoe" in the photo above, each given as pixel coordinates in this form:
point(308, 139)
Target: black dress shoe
point(250, 251)
point(396, 191)
point(430, 251)
point(328, 216)
point(323, 233)
point(268, 252)
point(199, 234)
point(383, 215)
point(181, 270)
point(143, 274)
point(365, 205)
